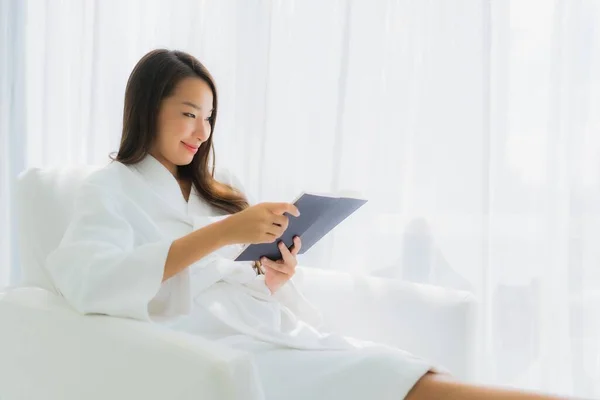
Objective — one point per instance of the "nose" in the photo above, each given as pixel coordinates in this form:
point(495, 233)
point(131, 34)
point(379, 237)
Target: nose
point(202, 131)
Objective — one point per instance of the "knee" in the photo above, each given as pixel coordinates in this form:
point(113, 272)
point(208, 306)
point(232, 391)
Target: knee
point(430, 386)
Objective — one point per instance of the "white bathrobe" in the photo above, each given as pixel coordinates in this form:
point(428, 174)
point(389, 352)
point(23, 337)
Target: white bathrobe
point(111, 261)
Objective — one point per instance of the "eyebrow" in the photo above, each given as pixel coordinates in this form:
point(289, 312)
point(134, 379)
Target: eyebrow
point(189, 103)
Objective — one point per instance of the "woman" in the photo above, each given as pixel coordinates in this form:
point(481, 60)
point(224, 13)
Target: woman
point(154, 234)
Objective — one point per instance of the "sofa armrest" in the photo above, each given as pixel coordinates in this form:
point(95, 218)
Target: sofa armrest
point(428, 321)
point(51, 352)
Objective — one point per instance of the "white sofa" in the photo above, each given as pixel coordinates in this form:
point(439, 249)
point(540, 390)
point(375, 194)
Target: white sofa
point(48, 351)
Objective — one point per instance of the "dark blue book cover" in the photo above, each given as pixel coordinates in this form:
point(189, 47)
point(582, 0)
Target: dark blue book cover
point(319, 214)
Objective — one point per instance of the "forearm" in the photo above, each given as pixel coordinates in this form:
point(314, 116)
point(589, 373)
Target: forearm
point(192, 247)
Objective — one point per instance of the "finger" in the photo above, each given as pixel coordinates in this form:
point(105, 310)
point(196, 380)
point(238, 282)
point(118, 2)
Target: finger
point(286, 255)
point(275, 230)
point(285, 252)
point(280, 208)
point(274, 265)
point(276, 273)
point(270, 237)
point(297, 246)
point(281, 220)
point(284, 269)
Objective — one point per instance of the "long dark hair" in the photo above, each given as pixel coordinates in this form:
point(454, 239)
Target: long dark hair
point(154, 78)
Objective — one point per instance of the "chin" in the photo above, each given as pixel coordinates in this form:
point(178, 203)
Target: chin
point(181, 156)
point(184, 160)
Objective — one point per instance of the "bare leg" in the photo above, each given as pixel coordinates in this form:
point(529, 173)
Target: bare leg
point(442, 387)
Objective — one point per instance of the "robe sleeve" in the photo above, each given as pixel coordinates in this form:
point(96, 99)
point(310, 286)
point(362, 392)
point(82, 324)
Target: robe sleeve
point(102, 265)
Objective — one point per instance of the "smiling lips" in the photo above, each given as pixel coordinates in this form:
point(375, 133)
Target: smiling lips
point(191, 148)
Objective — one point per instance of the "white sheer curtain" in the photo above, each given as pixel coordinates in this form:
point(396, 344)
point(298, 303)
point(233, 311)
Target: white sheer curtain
point(12, 127)
point(472, 126)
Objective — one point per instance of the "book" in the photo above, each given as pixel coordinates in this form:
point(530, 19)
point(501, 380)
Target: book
point(319, 214)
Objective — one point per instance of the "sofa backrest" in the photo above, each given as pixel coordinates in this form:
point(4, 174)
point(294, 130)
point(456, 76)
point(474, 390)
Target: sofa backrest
point(45, 199)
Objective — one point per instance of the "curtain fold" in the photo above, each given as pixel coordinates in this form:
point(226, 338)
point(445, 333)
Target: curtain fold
point(13, 137)
point(471, 126)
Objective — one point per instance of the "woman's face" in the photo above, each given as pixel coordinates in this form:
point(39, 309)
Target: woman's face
point(183, 123)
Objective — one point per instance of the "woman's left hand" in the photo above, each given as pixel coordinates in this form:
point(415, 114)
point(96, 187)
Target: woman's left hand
point(277, 273)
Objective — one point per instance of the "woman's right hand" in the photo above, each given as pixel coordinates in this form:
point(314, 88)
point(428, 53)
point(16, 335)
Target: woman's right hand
point(261, 223)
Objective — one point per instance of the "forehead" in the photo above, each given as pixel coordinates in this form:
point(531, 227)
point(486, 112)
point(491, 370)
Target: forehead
point(194, 90)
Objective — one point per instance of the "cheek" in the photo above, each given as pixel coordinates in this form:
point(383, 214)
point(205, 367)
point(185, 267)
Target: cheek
point(183, 127)
point(175, 129)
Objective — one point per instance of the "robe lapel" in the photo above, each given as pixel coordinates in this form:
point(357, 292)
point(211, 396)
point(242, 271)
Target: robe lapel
point(164, 186)
point(197, 206)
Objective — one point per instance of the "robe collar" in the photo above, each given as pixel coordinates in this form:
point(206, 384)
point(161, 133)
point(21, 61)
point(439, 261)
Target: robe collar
point(162, 182)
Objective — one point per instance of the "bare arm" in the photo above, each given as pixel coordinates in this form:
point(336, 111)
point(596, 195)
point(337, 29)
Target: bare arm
point(262, 223)
point(192, 247)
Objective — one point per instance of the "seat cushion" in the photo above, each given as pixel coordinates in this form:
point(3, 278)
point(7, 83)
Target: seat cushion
point(48, 351)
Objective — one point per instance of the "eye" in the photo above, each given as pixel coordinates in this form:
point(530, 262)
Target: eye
point(208, 118)
point(190, 115)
